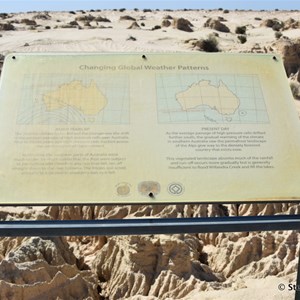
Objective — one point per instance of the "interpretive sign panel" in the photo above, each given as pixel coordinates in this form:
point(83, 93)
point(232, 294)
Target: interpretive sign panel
point(147, 128)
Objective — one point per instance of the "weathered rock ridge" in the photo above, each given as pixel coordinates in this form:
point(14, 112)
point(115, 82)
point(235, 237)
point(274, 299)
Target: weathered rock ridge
point(154, 267)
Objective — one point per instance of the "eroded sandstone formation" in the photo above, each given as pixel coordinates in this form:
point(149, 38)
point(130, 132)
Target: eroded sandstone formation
point(154, 267)
point(45, 268)
point(289, 49)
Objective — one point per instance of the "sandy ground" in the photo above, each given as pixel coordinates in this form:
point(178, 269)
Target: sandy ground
point(115, 39)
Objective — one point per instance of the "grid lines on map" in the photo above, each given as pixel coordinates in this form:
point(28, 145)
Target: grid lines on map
point(210, 98)
point(57, 99)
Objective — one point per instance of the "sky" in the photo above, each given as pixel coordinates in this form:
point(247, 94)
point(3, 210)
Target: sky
point(67, 5)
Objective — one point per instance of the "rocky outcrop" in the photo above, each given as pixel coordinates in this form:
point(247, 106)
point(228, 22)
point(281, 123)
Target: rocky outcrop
point(4, 16)
point(44, 268)
point(257, 48)
point(134, 211)
point(85, 18)
point(87, 246)
point(256, 209)
point(38, 280)
point(157, 266)
point(216, 25)
point(252, 254)
point(165, 23)
point(29, 22)
point(168, 17)
point(127, 18)
point(1, 62)
point(55, 251)
point(291, 24)
point(7, 26)
point(289, 49)
point(295, 88)
point(42, 16)
point(134, 25)
point(275, 24)
point(41, 268)
point(183, 24)
point(102, 19)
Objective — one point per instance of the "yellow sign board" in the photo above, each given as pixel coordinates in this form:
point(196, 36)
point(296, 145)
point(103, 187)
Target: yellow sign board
point(147, 128)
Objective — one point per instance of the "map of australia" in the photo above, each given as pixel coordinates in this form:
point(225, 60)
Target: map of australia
point(75, 99)
point(87, 99)
point(203, 93)
point(210, 98)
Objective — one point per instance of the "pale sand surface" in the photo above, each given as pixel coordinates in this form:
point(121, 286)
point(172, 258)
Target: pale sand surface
point(115, 39)
point(263, 288)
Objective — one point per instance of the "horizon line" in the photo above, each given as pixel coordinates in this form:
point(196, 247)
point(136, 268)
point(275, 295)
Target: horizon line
point(22, 6)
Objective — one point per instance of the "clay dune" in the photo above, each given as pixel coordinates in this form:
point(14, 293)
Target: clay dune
point(199, 266)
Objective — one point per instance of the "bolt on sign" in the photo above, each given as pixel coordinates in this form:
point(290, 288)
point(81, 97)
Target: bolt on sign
point(147, 128)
